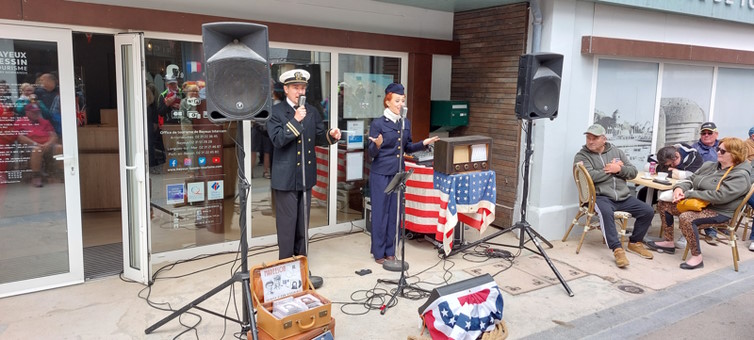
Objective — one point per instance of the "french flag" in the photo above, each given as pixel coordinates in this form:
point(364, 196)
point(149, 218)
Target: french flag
point(193, 66)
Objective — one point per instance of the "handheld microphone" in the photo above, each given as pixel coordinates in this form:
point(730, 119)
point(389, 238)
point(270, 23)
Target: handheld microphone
point(404, 111)
point(301, 101)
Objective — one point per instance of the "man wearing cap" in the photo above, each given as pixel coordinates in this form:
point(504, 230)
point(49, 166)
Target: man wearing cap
point(170, 99)
point(295, 129)
point(707, 148)
point(610, 168)
point(707, 143)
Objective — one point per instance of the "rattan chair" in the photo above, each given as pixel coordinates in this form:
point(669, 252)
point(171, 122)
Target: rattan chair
point(749, 214)
point(587, 201)
point(731, 229)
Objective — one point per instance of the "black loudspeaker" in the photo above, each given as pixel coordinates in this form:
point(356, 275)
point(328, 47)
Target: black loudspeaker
point(538, 90)
point(465, 285)
point(237, 71)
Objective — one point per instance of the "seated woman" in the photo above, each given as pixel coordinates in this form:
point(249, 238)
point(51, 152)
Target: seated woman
point(723, 184)
point(39, 136)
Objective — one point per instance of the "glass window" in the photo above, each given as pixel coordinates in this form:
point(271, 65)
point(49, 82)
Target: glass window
point(685, 103)
point(192, 161)
point(625, 105)
point(733, 101)
point(32, 189)
point(362, 81)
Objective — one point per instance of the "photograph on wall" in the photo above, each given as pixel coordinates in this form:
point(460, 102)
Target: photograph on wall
point(685, 103)
point(625, 105)
point(364, 94)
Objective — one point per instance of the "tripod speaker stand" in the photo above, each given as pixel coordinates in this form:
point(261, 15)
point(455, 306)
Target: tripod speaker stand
point(523, 226)
point(397, 185)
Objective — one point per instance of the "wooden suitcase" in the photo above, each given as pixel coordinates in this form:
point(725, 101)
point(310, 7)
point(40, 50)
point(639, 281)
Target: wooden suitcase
point(284, 275)
point(308, 335)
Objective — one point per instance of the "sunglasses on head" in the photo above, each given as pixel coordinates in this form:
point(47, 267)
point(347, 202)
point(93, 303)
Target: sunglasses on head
point(704, 133)
point(721, 150)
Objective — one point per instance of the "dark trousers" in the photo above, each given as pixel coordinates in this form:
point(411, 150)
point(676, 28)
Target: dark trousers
point(642, 212)
point(384, 214)
point(290, 222)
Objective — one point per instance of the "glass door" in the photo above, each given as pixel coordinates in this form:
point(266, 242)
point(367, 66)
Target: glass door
point(129, 70)
point(40, 214)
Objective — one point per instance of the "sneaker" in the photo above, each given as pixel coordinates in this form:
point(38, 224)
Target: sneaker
point(638, 249)
point(620, 257)
point(680, 243)
point(751, 246)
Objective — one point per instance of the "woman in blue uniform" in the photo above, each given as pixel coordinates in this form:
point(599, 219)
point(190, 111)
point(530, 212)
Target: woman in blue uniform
point(384, 148)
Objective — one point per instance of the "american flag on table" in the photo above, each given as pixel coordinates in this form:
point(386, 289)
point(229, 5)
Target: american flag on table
point(319, 191)
point(468, 198)
point(464, 315)
point(422, 201)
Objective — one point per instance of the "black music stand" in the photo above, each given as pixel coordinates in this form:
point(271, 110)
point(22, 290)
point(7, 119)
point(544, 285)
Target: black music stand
point(523, 226)
point(398, 185)
point(248, 324)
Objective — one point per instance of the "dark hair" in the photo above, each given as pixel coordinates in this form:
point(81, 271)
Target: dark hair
point(667, 153)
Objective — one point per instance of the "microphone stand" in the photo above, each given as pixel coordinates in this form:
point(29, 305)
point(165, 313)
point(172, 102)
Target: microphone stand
point(316, 281)
point(397, 186)
point(399, 265)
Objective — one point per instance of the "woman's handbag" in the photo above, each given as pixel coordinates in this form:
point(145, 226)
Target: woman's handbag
point(695, 204)
point(691, 204)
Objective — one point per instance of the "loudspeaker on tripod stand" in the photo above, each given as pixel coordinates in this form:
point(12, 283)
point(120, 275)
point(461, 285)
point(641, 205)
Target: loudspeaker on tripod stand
point(538, 89)
point(237, 71)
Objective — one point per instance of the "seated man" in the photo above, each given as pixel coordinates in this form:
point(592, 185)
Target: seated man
point(678, 160)
point(610, 168)
point(39, 136)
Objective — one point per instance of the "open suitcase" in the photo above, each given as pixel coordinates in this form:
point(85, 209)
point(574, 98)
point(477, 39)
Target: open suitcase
point(280, 280)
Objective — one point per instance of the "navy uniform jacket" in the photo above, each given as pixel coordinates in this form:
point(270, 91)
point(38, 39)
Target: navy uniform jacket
point(385, 158)
point(286, 133)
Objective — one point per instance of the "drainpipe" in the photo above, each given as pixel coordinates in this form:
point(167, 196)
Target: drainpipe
point(536, 35)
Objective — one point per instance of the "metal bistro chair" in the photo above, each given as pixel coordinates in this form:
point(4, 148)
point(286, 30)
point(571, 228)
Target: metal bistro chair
point(731, 226)
point(587, 202)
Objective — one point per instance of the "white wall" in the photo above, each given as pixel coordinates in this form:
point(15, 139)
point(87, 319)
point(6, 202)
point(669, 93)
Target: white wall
point(354, 15)
point(552, 195)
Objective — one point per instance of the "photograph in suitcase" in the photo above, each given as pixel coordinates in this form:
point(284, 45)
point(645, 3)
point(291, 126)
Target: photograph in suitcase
point(285, 300)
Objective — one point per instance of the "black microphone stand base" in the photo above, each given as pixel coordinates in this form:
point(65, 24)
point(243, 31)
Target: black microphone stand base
point(395, 265)
point(316, 281)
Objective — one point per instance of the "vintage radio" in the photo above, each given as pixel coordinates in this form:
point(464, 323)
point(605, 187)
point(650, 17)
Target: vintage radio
point(281, 281)
point(462, 154)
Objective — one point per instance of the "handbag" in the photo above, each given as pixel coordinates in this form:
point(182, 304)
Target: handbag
point(695, 204)
point(691, 204)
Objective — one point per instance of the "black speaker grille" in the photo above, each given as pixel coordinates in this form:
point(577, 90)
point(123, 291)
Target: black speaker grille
point(236, 89)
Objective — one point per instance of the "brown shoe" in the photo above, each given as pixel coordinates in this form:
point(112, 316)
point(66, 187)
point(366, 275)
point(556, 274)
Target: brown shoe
point(379, 261)
point(390, 258)
point(638, 249)
point(620, 257)
point(710, 240)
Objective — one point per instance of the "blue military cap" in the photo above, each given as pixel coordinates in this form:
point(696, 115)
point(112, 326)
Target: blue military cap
point(394, 88)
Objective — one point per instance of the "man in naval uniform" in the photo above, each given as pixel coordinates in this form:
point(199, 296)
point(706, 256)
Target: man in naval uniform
point(294, 129)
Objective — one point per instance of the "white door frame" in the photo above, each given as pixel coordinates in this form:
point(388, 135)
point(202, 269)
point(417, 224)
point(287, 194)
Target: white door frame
point(129, 74)
point(75, 274)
